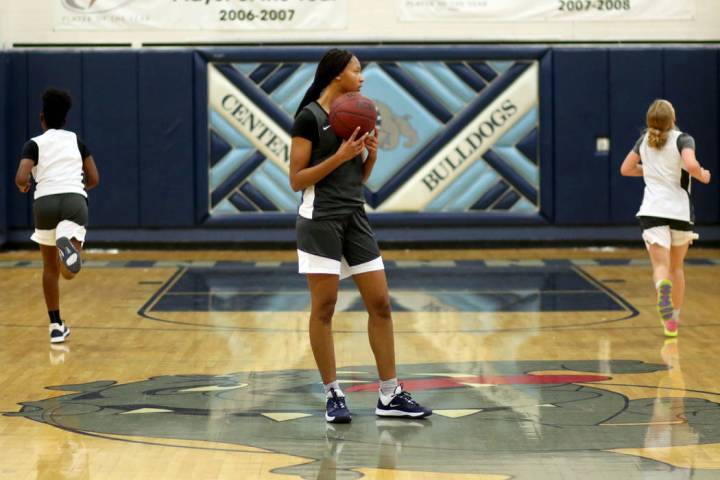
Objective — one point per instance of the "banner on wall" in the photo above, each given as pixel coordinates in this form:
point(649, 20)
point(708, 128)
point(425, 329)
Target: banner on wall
point(472, 146)
point(239, 15)
point(544, 10)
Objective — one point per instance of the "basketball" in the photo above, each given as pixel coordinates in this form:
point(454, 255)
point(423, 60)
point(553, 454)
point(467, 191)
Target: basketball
point(350, 111)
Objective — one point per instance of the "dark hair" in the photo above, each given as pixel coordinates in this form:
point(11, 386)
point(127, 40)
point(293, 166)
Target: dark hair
point(56, 105)
point(331, 65)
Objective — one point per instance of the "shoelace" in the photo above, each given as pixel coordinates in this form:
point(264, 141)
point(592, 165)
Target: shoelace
point(406, 396)
point(338, 402)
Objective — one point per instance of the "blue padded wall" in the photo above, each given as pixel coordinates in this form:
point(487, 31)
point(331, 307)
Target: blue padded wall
point(16, 133)
point(5, 179)
point(691, 84)
point(167, 163)
point(110, 90)
point(636, 79)
point(581, 115)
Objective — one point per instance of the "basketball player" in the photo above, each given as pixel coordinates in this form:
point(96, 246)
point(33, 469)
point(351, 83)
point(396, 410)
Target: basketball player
point(334, 238)
point(665, 158)
point(63, 170)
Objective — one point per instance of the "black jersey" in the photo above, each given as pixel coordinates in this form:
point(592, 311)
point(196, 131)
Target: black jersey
point(341, 191)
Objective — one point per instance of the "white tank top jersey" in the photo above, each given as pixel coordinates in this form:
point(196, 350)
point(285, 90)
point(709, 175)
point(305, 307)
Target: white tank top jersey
point(667, 183)
point(59, 167)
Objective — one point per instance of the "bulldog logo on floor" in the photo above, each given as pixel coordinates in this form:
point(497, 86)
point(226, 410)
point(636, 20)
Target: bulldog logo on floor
point(491, 418)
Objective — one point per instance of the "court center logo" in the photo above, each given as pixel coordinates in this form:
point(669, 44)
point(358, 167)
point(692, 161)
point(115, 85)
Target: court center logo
point(486, 415)
point(94, 6)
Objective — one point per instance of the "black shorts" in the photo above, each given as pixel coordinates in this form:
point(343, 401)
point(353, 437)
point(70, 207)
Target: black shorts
point(650, 222)
point(343, 245)
point(61, 215)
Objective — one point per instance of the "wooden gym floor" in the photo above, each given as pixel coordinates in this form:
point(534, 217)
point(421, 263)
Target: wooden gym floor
point(538, 364)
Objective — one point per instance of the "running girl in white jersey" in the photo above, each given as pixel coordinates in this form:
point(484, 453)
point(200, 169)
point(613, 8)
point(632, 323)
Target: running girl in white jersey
point(63, 169)
point(665, 158)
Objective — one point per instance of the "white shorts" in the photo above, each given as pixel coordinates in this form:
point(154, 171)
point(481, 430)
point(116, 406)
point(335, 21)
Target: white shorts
point(666, 237)
point(65, 228)
point(309, 263)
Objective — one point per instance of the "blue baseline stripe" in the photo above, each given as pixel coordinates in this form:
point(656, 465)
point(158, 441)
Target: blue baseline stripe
point(258, 198)
point(485, 98)
point(467, 75)
point(518, 182)
point(260, 73)
point(420, 94)
point(277, 78)
point(257, 96)
point(237, 177)
point(425, 79)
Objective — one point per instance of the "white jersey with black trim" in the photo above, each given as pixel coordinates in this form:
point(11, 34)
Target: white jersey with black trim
point(667, 184)
point(59, 167)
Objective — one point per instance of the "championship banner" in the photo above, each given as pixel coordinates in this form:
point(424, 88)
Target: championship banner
point(544, 10)
point(238, 15)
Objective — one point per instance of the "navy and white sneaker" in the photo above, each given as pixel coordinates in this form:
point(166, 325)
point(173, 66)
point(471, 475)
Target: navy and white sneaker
point(400, 404)
point(58, 332)
point(336, 410)
point(69, 254)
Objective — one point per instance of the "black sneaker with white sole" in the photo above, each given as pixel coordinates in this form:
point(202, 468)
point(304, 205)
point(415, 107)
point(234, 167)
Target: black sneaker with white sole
point(400, 404)
point(58, 332)
point(336, 410)
point(69, 255)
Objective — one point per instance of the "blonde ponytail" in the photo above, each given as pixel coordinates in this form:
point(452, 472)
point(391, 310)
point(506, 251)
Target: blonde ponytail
point(657, 138)
point(660, 120)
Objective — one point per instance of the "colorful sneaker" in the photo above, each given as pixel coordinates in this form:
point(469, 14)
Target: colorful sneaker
point(400, 404)
point(336, 410)
point(69, 254)
point(58, 332)
point(671, 328)
point(665, 308)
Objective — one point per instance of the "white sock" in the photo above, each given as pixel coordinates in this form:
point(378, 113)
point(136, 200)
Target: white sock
point(333, 385)
point(387, 387)
point(676, 315)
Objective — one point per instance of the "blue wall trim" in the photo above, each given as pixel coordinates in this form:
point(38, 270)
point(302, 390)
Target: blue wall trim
point(144, 116)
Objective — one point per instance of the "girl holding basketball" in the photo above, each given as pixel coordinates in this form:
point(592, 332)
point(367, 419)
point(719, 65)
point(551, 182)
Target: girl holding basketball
point(665, 158)
point(334, 238)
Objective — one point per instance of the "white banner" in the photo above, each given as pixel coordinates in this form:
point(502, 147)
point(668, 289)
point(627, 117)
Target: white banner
point(544, 10)
point(239, 15)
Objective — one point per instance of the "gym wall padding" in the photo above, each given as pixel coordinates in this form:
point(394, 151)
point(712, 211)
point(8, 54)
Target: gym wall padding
point(166, 128)
point(5, 181)
point(692, 83)
point(581, 116)
point(16, 133)
point(110, 90)
point(635, 80)
point(143, 113)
